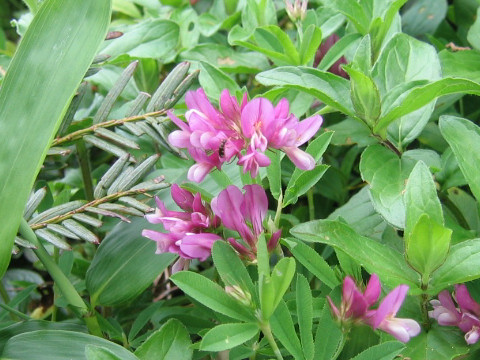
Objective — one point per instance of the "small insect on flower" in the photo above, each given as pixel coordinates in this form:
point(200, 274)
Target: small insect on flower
point(221, 149)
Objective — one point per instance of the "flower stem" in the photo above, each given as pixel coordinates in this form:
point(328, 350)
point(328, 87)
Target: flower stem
point(311, 205)
point(267, 331)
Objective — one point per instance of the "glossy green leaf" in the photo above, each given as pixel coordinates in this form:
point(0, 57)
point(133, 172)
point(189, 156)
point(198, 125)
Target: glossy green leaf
point(316, 264)
point(305, 315)
point(227, 336)
point(460, 266)
point(41, 80)
point(387, 174)
point(403, 60)
point(170, 342)
point(422, 95)
point(473, 35)
point(282, 275)
point(328, 337)
point(147, 39)
point(214, 81)
point(463, 136)
point(439, 343)
point(423, 17)
point(58, 345)
point(372, 255)
point(211, 295)
point(303, 180)
point(421, 197)
point(331, 89)
point(469, 60)
point(355, 13)
point(385, 351)
point(93, 352)
point(134, 260)
point(230, 268)
point(311, 40)
point(274, 172)
point(426, 247)
point(338, 50)
point(365, 96)
point(283, 329)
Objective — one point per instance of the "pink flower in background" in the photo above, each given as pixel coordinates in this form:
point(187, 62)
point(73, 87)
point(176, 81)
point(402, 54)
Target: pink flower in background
point(245, 130)
point(189, 231)
point(244, 213)
point(326, 44)
point(355, 308)
point(466, 317)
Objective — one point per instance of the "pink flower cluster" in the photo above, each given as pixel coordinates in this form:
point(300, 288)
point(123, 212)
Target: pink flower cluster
point(244, 130)
point(355, 308)
point(192, 232)
point(466, 316)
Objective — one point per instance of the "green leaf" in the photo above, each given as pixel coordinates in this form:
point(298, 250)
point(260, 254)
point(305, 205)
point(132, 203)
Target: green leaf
point(302, 180)
point(147, 39)
point(135, 260)
point(329, 336)
point(473, 35)
point(421, 198)
point(316, 264)
point(231, 268)
point(422, 95)
point(227, 336)
point(282, 327)
point(372, 255)
point(439, 343)
point(387, 175)
point(460, 266)
point(331, 89)
point(170, 342)
point(338, 50)
point(355, 13)
point(58, 345)
point(385, 351)
point(226, 59)
point(214, 81)
point(274, 172)
point(41, 80)
point(405, 60)
point(93, 352)
point(463, 136)
point(269, 40)
point(469, 60)
point(211, 295)
point(423, 17)
point(305, 315)
point(312, 37)
point(426, 247)
point(282, 275)
point(365, 96)
point(362, 61)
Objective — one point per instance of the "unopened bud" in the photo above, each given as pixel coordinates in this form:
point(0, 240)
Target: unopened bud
point(297, 10)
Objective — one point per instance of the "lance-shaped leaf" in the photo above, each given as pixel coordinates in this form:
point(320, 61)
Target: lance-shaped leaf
point(86, 219)
point(33, 202)
point(53, 239)
point(119, 139)
point(463, 136)
point(80, 231)
point(56, 211)
point(107, 146)
point(227, 336)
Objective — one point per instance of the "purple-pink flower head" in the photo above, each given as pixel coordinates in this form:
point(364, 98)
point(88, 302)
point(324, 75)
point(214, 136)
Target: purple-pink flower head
point(244, 213)
point(466, 316)
point(355, 308)
point(189, 232)
point(244, 130)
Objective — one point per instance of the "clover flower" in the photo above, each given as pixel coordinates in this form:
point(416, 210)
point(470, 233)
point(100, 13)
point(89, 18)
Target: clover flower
point(466, 316)
point(192, 232)
point(355, 309)
point(244, 130)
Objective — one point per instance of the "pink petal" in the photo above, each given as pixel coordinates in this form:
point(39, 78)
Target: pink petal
point(178, 122)
point(179, 265)
point(198, 172)
point(465, 301)
point(282, 109)
point(257, 113)
point(198, 246)
point(472, 336)
point(301, 159)
point(197, 100)
point(255, 206)
point(401, 329)
point(273, 242)
point(179, 138)
point(307, 128)
point(183, 198)
point(390, 304)
point(372, 292)
point(229, 106)
point(333, 307)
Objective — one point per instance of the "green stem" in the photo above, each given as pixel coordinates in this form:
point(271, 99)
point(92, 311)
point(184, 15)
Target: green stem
point(84, 162)
point(66, 287)
point(311, 204)
point(56, 254)
point(15, 312)
point(4, 293)
point(278, 213)
point(426, 318)
point(267, 331)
